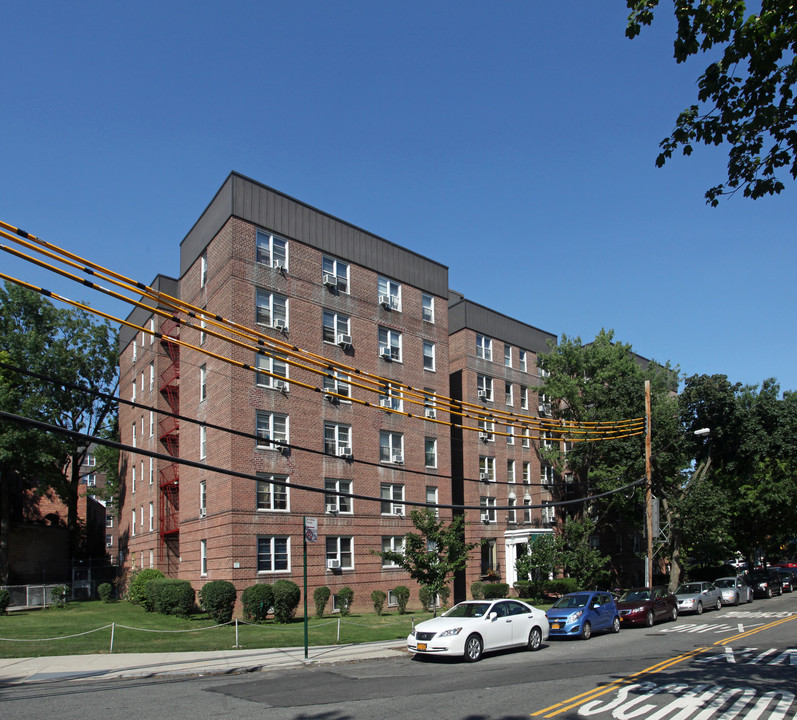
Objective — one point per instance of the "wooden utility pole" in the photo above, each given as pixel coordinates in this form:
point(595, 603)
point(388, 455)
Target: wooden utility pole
point(648, 490)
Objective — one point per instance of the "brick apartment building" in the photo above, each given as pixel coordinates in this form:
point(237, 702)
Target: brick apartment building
point(341, 417)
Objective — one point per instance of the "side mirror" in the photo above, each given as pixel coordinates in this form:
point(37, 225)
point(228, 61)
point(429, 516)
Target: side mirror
point(493, 615)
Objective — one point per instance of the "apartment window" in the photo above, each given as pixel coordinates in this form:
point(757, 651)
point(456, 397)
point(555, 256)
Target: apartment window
point(271, 429)
point(151, 331)
point(203, 498)
point(389, 293)
point(511, 514)
point(524, 397)
point(203, 269)
point(430, 452)
point(507, 355)
point(510, 434)
point(340, 551)
point(393, 543)
point(109, 521)
point(337, 269)
point(202, 325)
point(427, 301)
point(151, 472)
point(337, 439)
point(522, 360)
point(548, 514)
point(432, 499)
point(134, 389)
point(338, 383)
point(203, 442)
point(391, 447)
point(486, 430)
point(429, 409)
point(484, 387)
point(151, 423)
point(203, 383)
point(271, 250)
point(273, 553)
point(547, 439)
point(151, 376)
point(484, 347)
point(391, 397)
point(428, 355)
point(526, 438)
point(527, 472)
point(339, 503)
point(271, 309)
point(546, 475)
point(133, 477)
point(151, 517)
point(335, 325)
point(486, 468)
point(133, 524)
point(510, 471)
point(487, 505)
point(269, 366)
point(272, 495)
point(135, 348)
point(142, 382)
point(390, 343)
point(527, 509)
point(109, 541)
point(91, 480)
point(392, 496)
point(509, 395)
point(141, 518)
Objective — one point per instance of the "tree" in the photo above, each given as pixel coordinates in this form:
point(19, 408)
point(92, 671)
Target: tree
point(61, 346)
point(539, 562)
point(580, 559)
point(434, 553)
point(745, 96)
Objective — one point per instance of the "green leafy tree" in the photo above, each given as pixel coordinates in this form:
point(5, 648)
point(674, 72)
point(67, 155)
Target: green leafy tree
point(539, 562)
point(435, 552)
point(580, 559)
point(745, 95)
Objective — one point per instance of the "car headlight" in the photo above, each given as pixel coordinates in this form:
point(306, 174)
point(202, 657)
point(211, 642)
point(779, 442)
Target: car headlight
point(575, 616)
point(450, 632)
point(638, 609)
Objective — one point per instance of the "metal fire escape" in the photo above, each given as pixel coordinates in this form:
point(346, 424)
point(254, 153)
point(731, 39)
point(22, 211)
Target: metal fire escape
point(169, 435)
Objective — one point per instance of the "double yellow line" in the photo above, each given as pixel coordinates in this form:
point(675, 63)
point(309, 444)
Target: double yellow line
point(573, 702)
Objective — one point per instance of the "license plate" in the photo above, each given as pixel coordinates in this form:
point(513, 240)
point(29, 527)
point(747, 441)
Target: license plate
point(555, 626)
point(421, 646)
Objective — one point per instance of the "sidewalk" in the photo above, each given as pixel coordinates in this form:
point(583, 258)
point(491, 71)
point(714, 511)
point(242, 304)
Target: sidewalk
point(17, 671)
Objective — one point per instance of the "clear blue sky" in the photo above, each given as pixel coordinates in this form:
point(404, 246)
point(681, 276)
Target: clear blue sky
point(512, 141)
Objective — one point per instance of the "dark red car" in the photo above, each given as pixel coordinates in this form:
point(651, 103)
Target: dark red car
point(645, 606)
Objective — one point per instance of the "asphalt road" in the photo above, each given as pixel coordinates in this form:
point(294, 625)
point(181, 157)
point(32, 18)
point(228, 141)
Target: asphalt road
point(735, 664)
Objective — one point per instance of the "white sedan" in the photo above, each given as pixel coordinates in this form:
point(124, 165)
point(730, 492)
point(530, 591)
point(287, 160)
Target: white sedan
point(476, 626)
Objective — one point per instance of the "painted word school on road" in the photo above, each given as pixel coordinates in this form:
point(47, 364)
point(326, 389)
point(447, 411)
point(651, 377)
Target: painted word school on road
point(769, 696)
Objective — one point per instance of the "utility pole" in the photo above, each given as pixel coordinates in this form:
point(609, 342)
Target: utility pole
point(648, 490)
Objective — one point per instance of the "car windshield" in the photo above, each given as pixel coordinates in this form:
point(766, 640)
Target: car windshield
point(725, 583)
point(636, 596)
point(689, 589)
point(468, 610)
point(572, 601)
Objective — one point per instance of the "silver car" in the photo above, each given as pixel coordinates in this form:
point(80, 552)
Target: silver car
point(734, 590)
point(698, 596)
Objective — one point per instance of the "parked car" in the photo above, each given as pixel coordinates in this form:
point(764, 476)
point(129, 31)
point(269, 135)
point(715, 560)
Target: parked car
point(734, 590)
point(645, 606)
point(698, 596)
point(788, 576)
point(473, 627)
point(580, 614)
point(765, 582)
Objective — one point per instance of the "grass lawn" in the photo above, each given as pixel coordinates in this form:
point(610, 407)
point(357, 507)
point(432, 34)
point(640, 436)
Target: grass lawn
point(85, 628)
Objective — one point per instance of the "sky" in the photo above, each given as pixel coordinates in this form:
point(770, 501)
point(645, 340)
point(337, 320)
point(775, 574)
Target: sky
point(514, 142)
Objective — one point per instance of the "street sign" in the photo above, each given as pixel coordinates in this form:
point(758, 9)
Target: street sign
point(311, 529)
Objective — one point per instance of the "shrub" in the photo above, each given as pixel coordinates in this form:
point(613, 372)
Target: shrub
point(477, 590)
point(561, 586)
point(137, 592)
point(217, 599)
point(444, 594)
point(402, 595)
point(320, 598)
point(60, 594)
point(5, 601)
point(495, 590)
point(104, 592)
point(378, 598)
point(257, 600)
point(286, 600)
point(426, 597)
point(345, 599)
point(170, 596)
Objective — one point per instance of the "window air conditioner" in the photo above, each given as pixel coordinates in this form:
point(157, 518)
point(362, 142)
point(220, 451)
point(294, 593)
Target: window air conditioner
point(384, 353)
point(280, 325)
point(203, 512)
point(386, 402)
point(333, 564)
point(485, 517)
point(482, 394)
point(281, 385)
point(484, 477)
point(398, 458)
point(344, 340)
point(384, 301)
point(484, 437)
point(332, 509)
point(429, 412)
point(398, 511)
point(344, 451)
point(330, 280)
point(331, 398)
point(279, 265)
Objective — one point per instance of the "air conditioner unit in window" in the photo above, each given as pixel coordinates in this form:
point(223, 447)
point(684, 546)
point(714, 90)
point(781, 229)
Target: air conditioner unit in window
point(398, 511)
point(280, 325)
point(482, 394)
point(429, 412)
point(398, 458)
point(485, 517)
point(386, 402)
point(281, 385)
point(484, 437)
point(279, 265)
point(332, 509)
point(344, 340)
point(384, 353)
point(330, 280)
point(203, 512)
point(333, 564)
point(331, 398)
point(344, 451)
point(484, 477)
point(384, 301)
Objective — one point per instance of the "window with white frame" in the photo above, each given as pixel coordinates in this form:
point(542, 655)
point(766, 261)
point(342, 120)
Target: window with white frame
point(509, 394)
point(524, 397)
point(203, 442)
point(271, 250)
point(90, 460)
point(271, 369)
point(432, 499)
point(203, 382)
point(151, 376)
point(526, 472)
point(392, 543)
point(203, 269)
point(91, 480)
point(272, 492)
point(338, 383)
point(507, 355)
point(270, 309)
point(271, 429)
point(133, 523)
point(109, 521)
point(392, 495)
point(134, 389)
point(335, 325)
point(527, 508)
point(486, 468)
point(547, 439)
point(142, 382)
point(151, 472)
point(273, 553)
point(430, 452)
point(337, 439)
point(484, 387)
point(510, 434)
point(487, 505)
point(429, 409)
point(522, 360)
point(427, 301)
point(203, 498)
point(141, 516)
point(151, 331)
point(391, 447)
point(548, 513)
point(151, 517)
point(486, 430)
point(203, 323)
point(546, 475)
point(389, 293)
point(337, 269)
point(526, 437)
point(340, 503)
point(391, 396)
point(510, 471)
point(203, 557)
point(428, 355)
point(390, 343)
point(151, 423)
point(340, 550)
point(109, 541)
point(484, 347)
point(511, 513)
point(133, 477)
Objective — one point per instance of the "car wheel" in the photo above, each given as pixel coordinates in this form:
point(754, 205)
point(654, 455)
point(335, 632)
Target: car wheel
point(699, 610)
point(769, 593)
point(535, 639)
point(674, 614)
point(749, 598)
point(718, 606)
point(616, 624)
point(649, 619)
point(586, 631)
point(473, 648)
point(738, 600)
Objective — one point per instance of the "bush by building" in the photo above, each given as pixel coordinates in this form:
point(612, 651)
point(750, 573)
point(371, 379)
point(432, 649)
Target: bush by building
point(217, 599)
point(137, 593)
point(320, 598)
point(286, 600)
point(257, 601)
point(345, 599)
point(170, 596)
point(402, 595)
point(378, 598)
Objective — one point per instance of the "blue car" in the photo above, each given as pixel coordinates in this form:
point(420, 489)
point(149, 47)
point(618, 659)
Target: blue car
point(582, 613)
